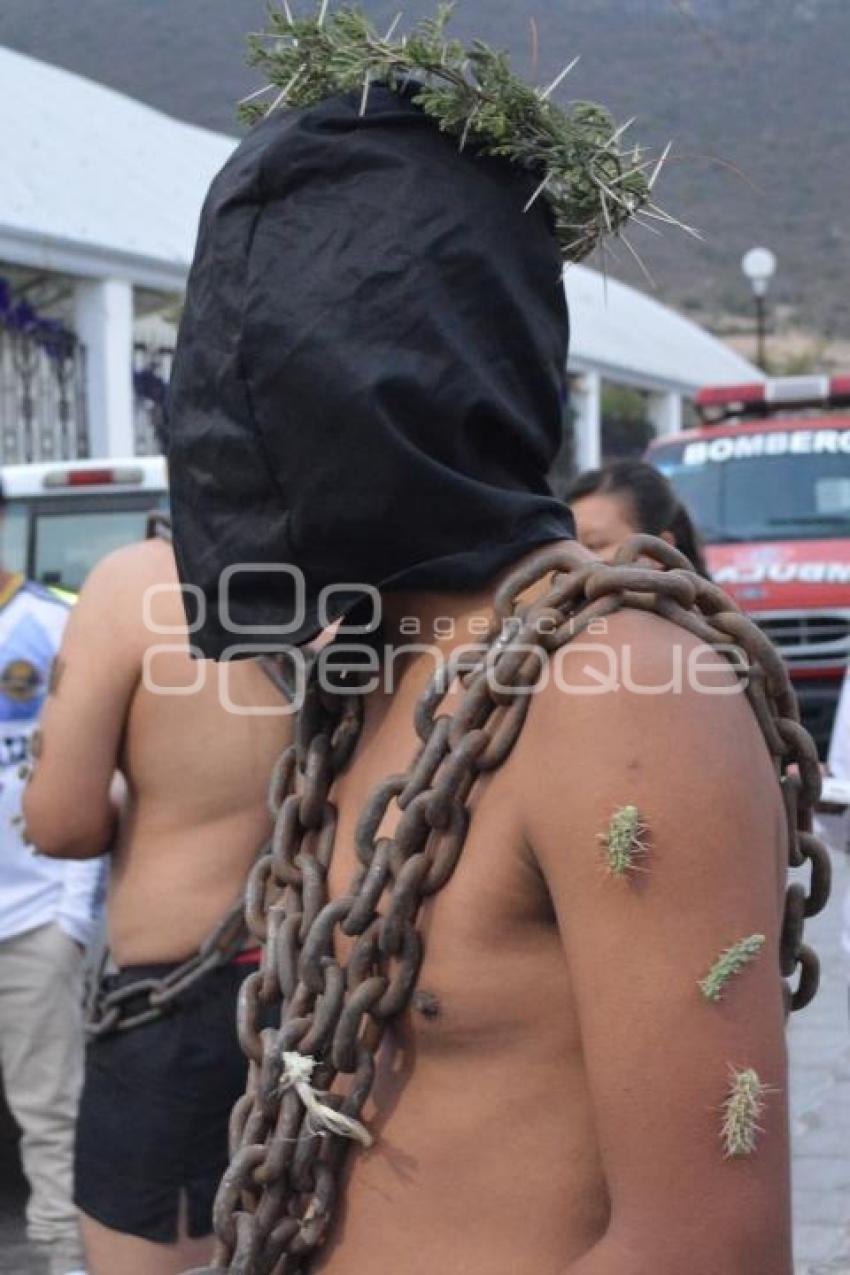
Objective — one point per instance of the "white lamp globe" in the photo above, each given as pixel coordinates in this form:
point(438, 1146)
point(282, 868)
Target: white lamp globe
point(759, 265)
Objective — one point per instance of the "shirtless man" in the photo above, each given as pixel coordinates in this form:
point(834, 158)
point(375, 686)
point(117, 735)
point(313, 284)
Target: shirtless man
point(553, 1101)
point(151, 1138)
point(367, 388)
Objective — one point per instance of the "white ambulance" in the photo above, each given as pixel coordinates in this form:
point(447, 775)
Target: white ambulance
point(61, 517)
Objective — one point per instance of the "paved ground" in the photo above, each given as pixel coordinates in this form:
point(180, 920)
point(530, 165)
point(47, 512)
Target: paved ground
point(820, 1106)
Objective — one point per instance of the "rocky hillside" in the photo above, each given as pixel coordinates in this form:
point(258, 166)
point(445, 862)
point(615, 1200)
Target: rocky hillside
point(755, 94)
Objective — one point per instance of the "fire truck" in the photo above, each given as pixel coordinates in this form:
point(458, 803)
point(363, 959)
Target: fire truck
point(766, 476)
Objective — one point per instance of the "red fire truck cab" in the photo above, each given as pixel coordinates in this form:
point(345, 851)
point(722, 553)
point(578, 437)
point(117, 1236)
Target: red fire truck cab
point(766, 476)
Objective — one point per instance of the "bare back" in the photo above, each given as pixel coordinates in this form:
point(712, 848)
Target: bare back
point(197, 773)
point(196, 769)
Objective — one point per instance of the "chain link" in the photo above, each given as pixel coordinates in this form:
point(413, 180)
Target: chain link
point(146, 999)
point(276, 1202)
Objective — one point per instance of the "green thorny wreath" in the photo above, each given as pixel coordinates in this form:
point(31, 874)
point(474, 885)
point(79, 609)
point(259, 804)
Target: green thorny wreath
point(593, 185)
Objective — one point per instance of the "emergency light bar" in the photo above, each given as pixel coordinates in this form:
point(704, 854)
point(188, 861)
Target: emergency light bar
point(128, 474)
point(718, 403)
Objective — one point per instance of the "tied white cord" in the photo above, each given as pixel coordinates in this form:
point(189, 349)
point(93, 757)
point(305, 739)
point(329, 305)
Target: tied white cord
point(297, 1074)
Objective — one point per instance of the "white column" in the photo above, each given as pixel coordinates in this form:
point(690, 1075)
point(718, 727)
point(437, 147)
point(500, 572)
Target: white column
point(103, 320)
point(665, 412)
point(586, 397)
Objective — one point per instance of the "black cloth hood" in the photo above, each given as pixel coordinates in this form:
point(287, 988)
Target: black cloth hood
point(368, 382)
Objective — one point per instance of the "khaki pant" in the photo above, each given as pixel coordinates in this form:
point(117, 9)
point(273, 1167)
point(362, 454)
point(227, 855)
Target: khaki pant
point(41, 1056)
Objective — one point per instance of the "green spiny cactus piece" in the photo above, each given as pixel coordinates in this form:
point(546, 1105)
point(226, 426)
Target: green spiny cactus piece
point(729, 963)
point(742, 1111)
point(623, 842)
point(594, 182)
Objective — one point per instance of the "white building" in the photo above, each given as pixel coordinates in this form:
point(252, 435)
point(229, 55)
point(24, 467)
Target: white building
point(622, 336)
point(98, 210)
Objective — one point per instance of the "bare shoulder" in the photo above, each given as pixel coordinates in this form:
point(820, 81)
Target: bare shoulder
point(111, 619)
point(127, 574)
point(641, 706)
point(135, 565)
point(636, 666)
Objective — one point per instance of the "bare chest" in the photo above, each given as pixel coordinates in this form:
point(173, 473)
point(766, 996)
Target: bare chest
point(490, 944)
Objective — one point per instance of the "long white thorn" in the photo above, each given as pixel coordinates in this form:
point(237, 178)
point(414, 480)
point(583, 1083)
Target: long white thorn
point(607, 245)
point(615, 137)
point(661, 162)
point(641, 165)
point(286, 90)
point(391, 29)
point(243, 101)
point(323, 13)
point(658, 214)
point(605, 212)
point(613, 195)
point(644, 225)
point(538, 192)
point(559, 79)
point(467, 128)
point(288, 13)
point(364, 100)
point(624, 176)
point(640, 262)
point(604, 249)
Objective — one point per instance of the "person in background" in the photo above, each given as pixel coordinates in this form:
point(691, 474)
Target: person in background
point(47, 919)
point(835, 828)
point(627, 497)
point(152, 1131)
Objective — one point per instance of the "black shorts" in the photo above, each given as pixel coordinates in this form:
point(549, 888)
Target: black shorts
point(155, 1108)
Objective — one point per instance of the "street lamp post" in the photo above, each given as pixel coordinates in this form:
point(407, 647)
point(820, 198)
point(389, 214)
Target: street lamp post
point(759, 266)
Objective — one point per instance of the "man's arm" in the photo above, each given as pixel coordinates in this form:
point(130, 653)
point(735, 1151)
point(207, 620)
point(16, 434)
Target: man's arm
point(68, 808)
point(659, 1056)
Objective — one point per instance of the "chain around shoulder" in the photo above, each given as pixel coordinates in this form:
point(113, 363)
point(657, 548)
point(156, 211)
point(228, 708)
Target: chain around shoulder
point(277, 1199)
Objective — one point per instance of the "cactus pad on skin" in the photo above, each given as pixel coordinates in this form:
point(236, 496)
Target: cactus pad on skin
point(742, 1111)
point(728, 964)
point(623, 842)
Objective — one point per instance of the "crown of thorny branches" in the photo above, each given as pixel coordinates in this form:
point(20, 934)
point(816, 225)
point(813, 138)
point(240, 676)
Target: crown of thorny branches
point(593, 183)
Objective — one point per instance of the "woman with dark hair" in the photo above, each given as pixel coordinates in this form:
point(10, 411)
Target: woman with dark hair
point(624, 498)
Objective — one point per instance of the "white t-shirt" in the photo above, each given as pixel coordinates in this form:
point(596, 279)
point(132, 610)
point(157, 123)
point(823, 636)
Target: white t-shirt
point(835, 829)
point(34, 890)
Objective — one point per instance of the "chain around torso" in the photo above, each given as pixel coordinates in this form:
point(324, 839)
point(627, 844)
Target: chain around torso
point(343, 905)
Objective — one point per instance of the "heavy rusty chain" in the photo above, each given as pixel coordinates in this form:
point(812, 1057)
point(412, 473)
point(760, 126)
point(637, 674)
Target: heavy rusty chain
point(277, 1199)
point(146, 999)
